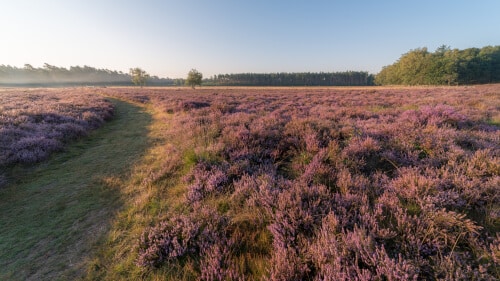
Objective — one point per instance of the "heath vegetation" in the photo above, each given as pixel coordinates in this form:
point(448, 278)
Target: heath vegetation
point(313, 184)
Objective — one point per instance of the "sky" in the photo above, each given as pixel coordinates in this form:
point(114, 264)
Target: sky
point(168, 38)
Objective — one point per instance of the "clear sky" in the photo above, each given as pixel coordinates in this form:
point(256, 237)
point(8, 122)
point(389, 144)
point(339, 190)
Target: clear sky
point(168, 38)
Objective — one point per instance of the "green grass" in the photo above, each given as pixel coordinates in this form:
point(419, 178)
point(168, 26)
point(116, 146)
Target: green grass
point(147, 199)
point(53, 216)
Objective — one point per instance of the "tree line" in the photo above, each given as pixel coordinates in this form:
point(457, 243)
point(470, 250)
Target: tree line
point(50, 75)
point(347, 78)
point(445, 66)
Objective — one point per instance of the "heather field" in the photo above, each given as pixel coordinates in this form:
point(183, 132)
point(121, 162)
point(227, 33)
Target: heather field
point(311, 184)
point(365, 183)
point(34, 123)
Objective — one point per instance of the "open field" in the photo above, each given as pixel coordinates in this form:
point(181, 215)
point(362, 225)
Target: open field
point(288, 184)
point(313, 184)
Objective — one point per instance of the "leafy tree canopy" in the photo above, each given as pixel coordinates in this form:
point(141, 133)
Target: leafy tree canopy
point(194, 78)
point(139, 76)
point(445, 66)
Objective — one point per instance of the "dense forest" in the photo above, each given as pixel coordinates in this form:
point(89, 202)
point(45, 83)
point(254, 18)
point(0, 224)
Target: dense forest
point(445, 66)
point(50, 75)
point(348, 78)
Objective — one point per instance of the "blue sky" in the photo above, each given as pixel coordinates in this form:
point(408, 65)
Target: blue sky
point(168, 38)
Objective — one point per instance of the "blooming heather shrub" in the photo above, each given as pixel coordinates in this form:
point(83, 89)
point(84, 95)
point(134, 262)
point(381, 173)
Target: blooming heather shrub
point(203, 233)
point(188, 105)
point(442, 115)
point(217, 263)
point(387, 184)
point(361, 155)
point(296, 212)
point(203, 180)
point(68, 131)
point(36, 123)
point(286, 264)
point(170, 240)
point(353, 255)
point(317, 171)
point(30, 150)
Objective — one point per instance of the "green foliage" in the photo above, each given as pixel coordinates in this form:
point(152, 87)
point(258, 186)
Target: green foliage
point(346, 78)
point(139, 76)
point(443, 67)
point(194, 78)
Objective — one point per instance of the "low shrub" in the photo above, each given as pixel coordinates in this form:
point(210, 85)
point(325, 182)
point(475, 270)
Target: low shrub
point(409, 191)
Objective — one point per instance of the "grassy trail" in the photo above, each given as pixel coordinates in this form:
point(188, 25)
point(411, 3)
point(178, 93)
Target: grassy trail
point(53, 215)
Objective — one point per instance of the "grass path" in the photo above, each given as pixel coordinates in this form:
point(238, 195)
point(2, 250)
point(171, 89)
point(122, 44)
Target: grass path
point(53, 216)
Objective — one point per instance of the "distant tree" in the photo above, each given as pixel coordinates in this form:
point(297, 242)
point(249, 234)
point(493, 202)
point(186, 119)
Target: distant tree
point(194, 78)
point(139, 76)
point(47, 66)
point(28, 67)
